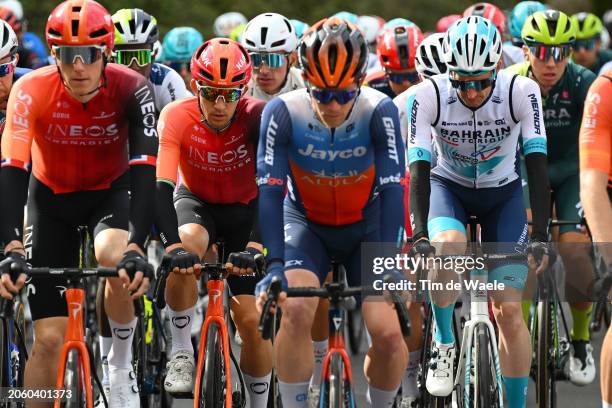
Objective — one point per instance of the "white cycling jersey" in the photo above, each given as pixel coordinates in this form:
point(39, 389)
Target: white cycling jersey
point(167, 85)
point(294, 81)
point(511, 54)
point(475, 147)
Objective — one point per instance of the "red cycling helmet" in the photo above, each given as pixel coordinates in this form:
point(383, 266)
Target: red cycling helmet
point(446, 21)
point(397, 47)
point(7, 15)
point(222, 63)
point(80, 22)
point(490, 12)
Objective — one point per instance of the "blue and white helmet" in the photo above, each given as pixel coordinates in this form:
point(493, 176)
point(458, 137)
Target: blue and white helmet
point(472, 45)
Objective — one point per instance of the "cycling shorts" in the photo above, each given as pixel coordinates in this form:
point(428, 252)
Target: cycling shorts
point(311, 246)
point(500, 213)
point(52, 239)
point(230, 223)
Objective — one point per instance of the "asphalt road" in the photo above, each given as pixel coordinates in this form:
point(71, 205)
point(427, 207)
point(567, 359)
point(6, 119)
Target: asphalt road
point(568, 395)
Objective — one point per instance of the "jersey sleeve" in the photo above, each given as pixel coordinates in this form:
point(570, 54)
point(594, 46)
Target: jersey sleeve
point(19, 128)
point(528, 111)
point(169, 144)
point(389, 156)
point(142, 116)
point(596, 129)
point(272, 171)
point(421, 110)
point(174, 88)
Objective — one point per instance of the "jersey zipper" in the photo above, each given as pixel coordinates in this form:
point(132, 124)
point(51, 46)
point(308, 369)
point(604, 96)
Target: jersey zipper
point(475, 150)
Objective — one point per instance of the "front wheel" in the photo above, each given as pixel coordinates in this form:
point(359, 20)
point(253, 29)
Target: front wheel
point(336, 382)
point(213, 392)
point(545, 381)
point(74, 382)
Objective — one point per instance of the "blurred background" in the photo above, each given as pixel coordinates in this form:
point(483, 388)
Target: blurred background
point(201, 14)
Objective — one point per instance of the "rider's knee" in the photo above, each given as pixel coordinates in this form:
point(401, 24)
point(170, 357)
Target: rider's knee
point(509, 317)
point(48, 341)
point(388, 340)
point(247, 324)
point(298, 314)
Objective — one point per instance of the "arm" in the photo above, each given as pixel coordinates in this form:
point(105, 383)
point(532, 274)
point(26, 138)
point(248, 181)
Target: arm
point(422, 111)
point(167, 166)
point(390, 167)
point(272, 170)
point(529, 113)
point(16, 144)
point(143, 145)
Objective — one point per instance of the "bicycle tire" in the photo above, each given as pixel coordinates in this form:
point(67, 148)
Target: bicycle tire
point(336, 382)
point(483, 392)
point(355, 330)
point(212, 393)
point(5, 359)
point(274, 397)
point(139, 353)
point(155, 371)
point(18, 344)
point(544, 376)
point(73, 382)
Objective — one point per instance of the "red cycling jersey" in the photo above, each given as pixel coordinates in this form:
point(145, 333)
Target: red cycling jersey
point(217, 167)
point(78, 146)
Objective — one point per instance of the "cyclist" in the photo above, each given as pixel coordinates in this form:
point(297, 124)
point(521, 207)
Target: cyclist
point(178, 46)
point(445, 22)
point(271, 42)
point(429, 61)
point(89, 114)
point(9, 73)
point(396, 50)
point(596, 192)
point(588, 50)
point(136, 33)
point(473, 111)
point(227, 22)
point(511, 54)
point(332, 139)
point(548, 37)
point(519, 14)
point(396, 22)
point(211, 139)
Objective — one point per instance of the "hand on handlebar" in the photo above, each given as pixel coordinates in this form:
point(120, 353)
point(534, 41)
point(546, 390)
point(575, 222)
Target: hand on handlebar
point(540, 256)
point(135, 272)
point(248, 262)
point(14, 266)
point(184, 263)
point(275, 270)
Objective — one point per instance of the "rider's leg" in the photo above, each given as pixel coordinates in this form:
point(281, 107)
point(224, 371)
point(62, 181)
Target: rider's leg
point(105, 338)
point(386, 360)
point(415, 346)
point(293, 346)
point(320, 336)
point(256, 353)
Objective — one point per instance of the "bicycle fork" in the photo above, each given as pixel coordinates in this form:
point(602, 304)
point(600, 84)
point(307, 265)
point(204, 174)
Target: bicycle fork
point(479, 316)
point(214, 315)
point(73, 339)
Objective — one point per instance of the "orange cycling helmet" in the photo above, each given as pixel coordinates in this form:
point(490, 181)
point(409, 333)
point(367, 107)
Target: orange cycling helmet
point(333, 54)
point(80, 22)
point(221, 62)
point(7, 15)
point(397, 47)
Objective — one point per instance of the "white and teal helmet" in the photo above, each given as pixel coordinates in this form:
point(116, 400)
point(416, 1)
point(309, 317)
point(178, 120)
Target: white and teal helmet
point(472, 45)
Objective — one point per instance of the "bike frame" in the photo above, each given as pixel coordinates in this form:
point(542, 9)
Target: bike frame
point(74, 340)
point(479, 316)
point(215, 314)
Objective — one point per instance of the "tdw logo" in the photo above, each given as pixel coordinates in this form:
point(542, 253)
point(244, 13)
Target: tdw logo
point(123, 334)
point(180, 322)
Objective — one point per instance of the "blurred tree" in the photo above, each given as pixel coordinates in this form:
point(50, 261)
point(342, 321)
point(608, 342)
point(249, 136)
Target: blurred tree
point(201, 14)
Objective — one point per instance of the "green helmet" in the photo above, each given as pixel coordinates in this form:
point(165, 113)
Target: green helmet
point(588, 26)
point(134, 26)
point(550, 27)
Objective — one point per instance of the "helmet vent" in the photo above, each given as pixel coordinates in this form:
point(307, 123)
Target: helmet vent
point(250, 43)
point(277, 43)
point(75, 28)
point(206, 75)
point(119, 27)
point(288, 24)
point(264, 34)
point(53, 33)
point(552, 27)
point(223, 62)
point(99, 33)
point(76, 9)
point(5, 33)
point(403, 55)
point(145, 25)
point(239, 77)
point(132, 25)
point(333, 57)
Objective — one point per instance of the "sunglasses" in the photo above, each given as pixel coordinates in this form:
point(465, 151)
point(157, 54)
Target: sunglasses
point(87, 54)
point(271, 60)
point(212, 94)
point(7, 68)
point(545, 52)
point(401, 77)
point(128, 57)
point(476, 84)
point(325, 96)
point(586, 44)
